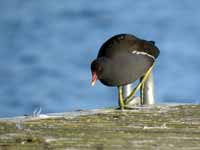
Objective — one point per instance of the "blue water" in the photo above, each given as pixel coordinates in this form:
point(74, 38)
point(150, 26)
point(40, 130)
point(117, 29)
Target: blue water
point(46, 48)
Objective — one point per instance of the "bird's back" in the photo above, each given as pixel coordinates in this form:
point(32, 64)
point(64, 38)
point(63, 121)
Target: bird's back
point(126, 43)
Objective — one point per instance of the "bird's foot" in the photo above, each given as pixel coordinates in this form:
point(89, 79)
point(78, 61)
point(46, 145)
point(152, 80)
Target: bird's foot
point(134, 102)
point(125, 108)
point(127, 104)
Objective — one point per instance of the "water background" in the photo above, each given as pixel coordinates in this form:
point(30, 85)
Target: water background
point(46, 48)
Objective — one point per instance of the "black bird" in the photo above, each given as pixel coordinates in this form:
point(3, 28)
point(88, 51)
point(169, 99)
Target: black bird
point(123, 59)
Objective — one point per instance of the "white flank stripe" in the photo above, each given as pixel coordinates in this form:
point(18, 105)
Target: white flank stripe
point(142, 53)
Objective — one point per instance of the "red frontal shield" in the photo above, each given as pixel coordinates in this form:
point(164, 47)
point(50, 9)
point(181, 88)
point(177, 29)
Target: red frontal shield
point(94, 78)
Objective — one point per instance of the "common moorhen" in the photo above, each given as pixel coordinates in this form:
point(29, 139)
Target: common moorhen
point(123, 59)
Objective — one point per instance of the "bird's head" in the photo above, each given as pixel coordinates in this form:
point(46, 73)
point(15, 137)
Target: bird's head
point(98, 69)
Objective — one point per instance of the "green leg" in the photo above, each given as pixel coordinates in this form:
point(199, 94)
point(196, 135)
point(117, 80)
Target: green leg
point(130, 97)
point(121, 99)
point(142, 94)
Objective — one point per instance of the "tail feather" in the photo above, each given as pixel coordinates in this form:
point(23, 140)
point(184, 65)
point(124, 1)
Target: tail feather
point(152, 42)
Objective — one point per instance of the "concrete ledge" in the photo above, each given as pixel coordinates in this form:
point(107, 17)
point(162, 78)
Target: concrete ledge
point(154, 127)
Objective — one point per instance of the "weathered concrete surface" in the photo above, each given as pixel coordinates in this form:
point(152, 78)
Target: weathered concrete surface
point(145, 128)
